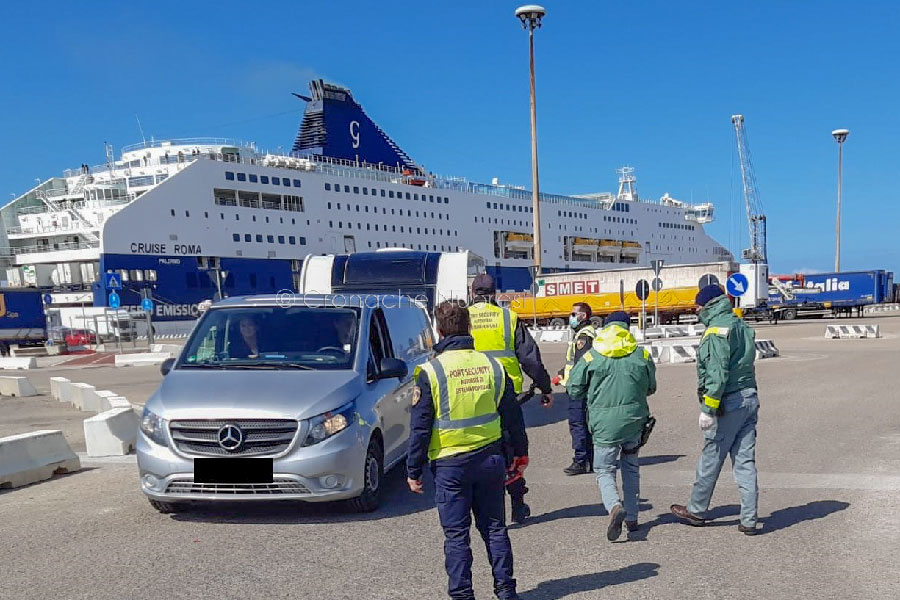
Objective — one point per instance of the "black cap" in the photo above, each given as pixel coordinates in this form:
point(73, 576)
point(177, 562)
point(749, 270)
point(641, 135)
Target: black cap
point(708, 293)
point(617, 317)
point(483, 285)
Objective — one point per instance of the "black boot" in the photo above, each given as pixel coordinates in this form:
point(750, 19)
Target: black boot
point(520, 511)
point(577, 468)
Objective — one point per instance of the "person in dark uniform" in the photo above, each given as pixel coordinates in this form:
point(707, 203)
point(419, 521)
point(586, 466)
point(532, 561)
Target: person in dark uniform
point(582, 339)
point(499, 333)
point(462, 403)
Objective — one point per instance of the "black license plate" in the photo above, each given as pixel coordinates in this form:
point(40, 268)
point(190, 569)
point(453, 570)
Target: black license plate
point(233, 470)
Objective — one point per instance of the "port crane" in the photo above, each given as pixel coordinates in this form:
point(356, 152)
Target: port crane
point(756, 220)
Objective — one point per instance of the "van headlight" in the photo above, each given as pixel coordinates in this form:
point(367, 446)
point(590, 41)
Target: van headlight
point(322, 427)
point(154, 427)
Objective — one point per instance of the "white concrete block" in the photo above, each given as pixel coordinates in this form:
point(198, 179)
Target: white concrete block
point(21, 362)
point(555, 336)
point(141, 358)
point(56, 388)
point(111, 433)
point(82, 394)
point(16, 386)
point(111, 402)
point(172, 349)
point(36, 456)
point(66, 391)
point(683, 353)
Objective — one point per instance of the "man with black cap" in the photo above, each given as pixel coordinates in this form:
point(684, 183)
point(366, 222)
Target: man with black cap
point(614, 378)
point(728, 409)
point(498, 333)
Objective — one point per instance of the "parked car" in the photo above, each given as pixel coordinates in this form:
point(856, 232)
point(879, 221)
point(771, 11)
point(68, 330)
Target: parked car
point(305, 402)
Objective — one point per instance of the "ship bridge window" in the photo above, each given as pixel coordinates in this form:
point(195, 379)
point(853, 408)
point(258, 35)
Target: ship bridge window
point(140, 181)
point(172, 212)
point(276, 181)
point(390, 193)
point(296, 183)
point(264, 179)
point(236, 237)
point(415, 196)
point(407, 195)
point(270, 239)
point(327, 187)
point(253, 178)
point(382, 193)
point(365, 191)
point(229, 175)
point(248, 237)
point(259, 238)
point(355, 189)
point(242, 177)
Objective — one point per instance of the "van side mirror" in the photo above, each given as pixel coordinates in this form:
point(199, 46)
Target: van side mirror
point(392, 367)
point(166, 366)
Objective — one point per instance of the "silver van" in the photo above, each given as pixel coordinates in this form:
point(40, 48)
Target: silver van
point(306, 399)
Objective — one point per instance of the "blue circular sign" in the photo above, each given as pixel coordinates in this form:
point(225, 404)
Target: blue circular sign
point(48, 299)
point(114, 300)
point(737, 284)
point(147, 304)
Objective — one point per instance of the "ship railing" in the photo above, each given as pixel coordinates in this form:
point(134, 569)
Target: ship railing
point(73, 227)
point(38, 248)
point(195, 141)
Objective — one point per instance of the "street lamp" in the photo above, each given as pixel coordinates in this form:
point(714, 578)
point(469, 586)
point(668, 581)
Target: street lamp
point(839, 136)
point(531, 15)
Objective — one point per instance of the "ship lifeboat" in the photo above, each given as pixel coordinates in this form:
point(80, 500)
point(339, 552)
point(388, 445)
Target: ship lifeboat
point(632, 249)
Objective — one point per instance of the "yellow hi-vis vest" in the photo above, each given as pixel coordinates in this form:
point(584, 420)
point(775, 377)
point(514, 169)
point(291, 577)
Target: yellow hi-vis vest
point(494, 332)
point(466, 387)
point(587, 330)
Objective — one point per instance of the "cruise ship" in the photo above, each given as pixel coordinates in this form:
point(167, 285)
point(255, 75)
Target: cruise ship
point(185, 220)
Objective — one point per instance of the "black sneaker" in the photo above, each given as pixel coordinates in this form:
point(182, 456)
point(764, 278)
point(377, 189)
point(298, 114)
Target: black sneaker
point(520, 513)
point(631, 526)
point(616, 518)
point(577, 468)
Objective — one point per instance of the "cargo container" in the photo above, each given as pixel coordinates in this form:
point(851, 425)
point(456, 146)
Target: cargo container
point(22, 318)
point(821, 294)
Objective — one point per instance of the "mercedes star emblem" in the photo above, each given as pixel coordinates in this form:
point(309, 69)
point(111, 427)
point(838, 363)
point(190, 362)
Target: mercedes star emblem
point(231, 437)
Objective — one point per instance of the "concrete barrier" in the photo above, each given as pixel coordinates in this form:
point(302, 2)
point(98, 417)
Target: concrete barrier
point(882, 308)
point(28, 362)
point(683, 353)
point(56, 384)
point(36, 456)
point(173, 349)
point(141, 358)
point(16, 386)
point(82, 395)
point(112, 402)
point(111, 433)
point(843, 332)
point(66, 391)
point(766, 349)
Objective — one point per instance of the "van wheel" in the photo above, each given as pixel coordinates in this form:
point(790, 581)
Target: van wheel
point(165, 508)
point(373, 474)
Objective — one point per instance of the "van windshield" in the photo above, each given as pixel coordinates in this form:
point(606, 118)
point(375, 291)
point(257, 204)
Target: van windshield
point(274, 338)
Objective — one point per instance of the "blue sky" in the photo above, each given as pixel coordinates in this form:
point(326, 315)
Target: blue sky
point(649, 84)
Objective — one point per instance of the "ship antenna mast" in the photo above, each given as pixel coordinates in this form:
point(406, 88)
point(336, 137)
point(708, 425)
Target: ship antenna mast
point(756, 220)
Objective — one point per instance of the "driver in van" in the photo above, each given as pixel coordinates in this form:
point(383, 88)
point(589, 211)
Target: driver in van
point(248, 344)
point(345, 324)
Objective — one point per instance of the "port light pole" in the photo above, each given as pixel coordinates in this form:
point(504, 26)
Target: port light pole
point(530, 15)
point(839, 136)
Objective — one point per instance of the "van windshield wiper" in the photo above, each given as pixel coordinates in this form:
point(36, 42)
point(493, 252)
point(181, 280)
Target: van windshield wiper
point(266, 364)
point(284, 365)
point(202, 366)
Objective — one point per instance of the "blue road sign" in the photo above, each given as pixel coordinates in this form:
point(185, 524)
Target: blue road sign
point(147, 304)
point(114, 300)
point(737, 284)
point(48, 299)
point(113, 281)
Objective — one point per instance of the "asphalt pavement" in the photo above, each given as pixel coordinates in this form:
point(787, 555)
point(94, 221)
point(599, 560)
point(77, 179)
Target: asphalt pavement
point(828, 455)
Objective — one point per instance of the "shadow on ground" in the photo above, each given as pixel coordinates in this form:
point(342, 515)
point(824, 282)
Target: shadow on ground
point(13, 490)
point(659, 459)
point(560, 588)
point(396, 501)
point(575, 512)
point(778, 520)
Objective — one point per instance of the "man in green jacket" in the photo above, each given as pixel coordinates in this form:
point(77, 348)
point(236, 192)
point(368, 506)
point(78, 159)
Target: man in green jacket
point(614, 378)
point(728, 409)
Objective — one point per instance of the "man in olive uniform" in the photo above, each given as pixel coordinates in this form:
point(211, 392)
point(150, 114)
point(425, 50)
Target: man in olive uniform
point(582, 338)
point(463, 403)
point(728, 409)
point(614, 378)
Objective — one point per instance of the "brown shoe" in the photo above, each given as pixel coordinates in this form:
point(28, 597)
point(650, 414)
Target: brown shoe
point(631, 526)
point(687, 516)
point(616, 518)
point(748, 530)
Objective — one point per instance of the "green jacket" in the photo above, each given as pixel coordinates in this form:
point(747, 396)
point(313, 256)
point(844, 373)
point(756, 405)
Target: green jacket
point(725, 357)
point(614, 378)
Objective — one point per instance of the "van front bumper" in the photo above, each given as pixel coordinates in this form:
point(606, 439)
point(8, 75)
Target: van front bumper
point(330, 470)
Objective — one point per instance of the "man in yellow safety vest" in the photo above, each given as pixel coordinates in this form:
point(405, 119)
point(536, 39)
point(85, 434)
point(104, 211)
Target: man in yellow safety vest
point(462, 405)
point(498, 333)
